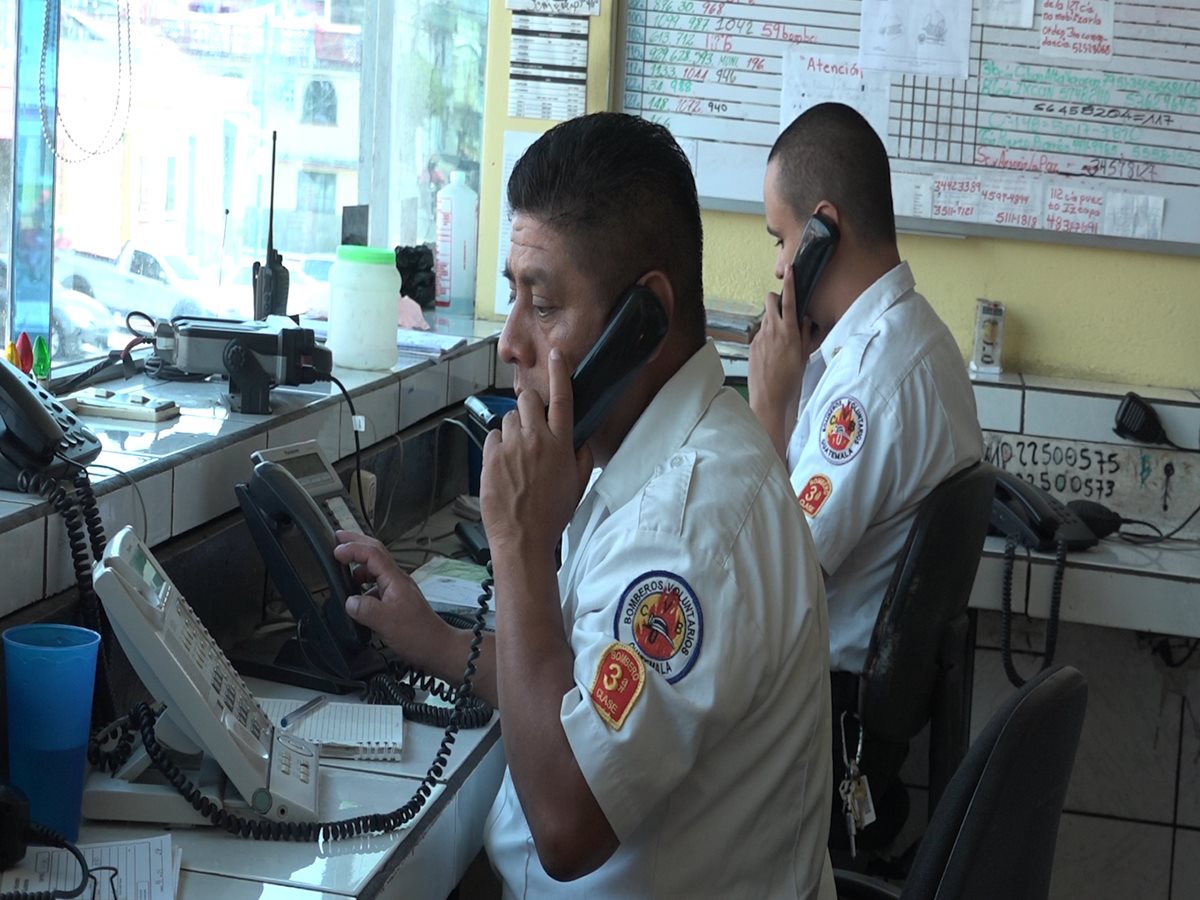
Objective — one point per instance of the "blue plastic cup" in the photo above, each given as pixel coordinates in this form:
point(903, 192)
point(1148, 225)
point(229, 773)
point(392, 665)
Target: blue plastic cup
point(499, 406)
point(50, 671)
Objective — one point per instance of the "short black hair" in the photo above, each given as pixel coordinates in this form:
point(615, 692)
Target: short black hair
point(621, 191)
point(830, 152)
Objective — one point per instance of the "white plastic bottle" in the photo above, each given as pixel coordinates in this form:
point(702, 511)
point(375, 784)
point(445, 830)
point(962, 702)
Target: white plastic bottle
point(457, 246)
point(364, 301)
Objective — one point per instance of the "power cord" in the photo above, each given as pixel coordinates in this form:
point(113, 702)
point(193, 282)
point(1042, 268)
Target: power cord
point(1157, 538)
point(16, 832)
point(362, 503)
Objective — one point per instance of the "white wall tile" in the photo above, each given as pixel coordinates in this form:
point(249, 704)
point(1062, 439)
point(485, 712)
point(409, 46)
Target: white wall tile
point(380, 408)
point(322, 426)
point(1084, 417)
point(1103, 859)
point(203, 486)
point(423, 393)
point(23, 550)
point(504, 373)
point(470, 373)
point(999, 408)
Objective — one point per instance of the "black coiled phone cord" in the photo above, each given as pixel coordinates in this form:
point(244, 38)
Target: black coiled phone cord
point(31, 482)
point(142, 719)
point(1056, 588)
point(40, 834)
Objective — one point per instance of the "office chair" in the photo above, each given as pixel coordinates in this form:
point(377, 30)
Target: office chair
point(993, 835)
point(919, 662)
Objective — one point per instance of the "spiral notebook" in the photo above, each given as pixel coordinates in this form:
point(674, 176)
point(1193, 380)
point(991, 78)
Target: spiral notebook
point(345, 730)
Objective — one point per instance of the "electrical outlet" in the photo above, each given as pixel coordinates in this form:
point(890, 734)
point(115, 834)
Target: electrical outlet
point(369, 483)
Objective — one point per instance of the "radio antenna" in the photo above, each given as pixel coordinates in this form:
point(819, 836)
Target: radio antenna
point(271, 208)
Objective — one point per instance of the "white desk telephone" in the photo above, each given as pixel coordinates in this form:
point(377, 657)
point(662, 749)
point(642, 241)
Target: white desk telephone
point(208, 711)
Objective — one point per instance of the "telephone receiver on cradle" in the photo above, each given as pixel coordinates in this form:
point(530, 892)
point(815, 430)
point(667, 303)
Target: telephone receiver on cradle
point(633, 332)
point(817, 245)
point(37, 433)
point(287, 527)
point(1035, 518)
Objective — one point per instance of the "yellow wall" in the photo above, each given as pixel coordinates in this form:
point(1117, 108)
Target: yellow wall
point(1097, 314)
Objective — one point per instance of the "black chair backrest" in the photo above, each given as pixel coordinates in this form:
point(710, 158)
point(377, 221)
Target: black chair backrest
point(930, 587)
point(994, 832)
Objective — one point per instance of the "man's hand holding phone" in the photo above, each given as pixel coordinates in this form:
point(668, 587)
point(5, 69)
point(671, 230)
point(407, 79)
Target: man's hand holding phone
point(778, 357)
point(532, 475)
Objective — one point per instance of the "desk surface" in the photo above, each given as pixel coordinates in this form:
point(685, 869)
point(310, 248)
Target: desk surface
point(1149, 587)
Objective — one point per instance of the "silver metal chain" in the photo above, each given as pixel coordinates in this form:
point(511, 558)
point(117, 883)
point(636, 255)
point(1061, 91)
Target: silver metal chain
point(110, 140)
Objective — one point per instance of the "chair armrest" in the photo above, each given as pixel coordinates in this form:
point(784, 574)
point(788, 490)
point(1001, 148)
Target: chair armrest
point(853, 886)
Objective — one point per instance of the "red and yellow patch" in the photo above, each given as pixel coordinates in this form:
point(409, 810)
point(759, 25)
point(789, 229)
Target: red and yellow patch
point(620, 677)
point(814, 494)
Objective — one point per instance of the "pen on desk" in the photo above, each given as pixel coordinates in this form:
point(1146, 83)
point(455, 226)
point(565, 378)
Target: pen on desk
point(301, 711)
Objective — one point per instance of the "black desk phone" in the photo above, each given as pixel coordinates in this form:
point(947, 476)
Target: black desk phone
point(317, 477)
point(296, 541)
point(1034, 518)
point(38, 435)
point(633, 332)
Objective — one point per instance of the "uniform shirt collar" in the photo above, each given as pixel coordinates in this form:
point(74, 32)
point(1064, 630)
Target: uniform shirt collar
point(662, 427)
point(867, 308)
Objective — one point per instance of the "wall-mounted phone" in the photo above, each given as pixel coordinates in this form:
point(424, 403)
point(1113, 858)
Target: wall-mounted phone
point(1034, 518)
point(818, 243)
point(37, 433)
point(311, 468)
point(208, 709)
point(633, 332)
point(330, 650)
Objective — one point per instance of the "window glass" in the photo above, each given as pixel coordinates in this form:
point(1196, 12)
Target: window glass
point(166, 109)
point(8, 70)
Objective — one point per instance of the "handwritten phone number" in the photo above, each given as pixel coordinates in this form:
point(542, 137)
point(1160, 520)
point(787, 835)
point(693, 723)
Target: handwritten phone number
point(1086, 472)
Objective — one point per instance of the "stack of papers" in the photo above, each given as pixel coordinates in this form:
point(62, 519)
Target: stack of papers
point(146, 869)
point(345, 730)
point(426, 343)
point(453, 585)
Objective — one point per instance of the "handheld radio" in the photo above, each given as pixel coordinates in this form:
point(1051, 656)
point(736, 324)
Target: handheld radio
point(271, 278)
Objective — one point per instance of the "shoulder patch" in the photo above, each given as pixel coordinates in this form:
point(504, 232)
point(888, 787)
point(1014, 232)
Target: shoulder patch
point(814, 494)
point(660, 616)
point(842, 430)
point(620, 677)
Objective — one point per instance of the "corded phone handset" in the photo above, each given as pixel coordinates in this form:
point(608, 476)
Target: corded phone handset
point(1029, 516)
point(330, 650)
point(633, 332)
point(817, 245)
point(1036, 519)
point(38, 435)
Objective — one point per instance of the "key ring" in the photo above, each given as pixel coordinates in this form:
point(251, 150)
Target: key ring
point(858, 752)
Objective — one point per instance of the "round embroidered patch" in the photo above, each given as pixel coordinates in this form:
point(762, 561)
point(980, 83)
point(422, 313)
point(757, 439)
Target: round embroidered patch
point(843, 430)
point(659, 615)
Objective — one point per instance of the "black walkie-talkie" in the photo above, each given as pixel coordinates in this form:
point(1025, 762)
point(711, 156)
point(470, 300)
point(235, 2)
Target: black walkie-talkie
point(271, 278)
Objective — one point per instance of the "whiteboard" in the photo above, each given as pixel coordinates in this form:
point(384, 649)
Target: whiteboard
point(1100, 149)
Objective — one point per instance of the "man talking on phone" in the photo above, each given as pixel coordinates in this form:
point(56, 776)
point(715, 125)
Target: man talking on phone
point(862, 390)
point(664, 693)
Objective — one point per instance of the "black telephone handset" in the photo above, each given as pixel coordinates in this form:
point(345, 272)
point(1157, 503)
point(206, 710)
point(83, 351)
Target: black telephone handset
point(1035, 518)
point(37, 433)
point(633, 332)
point(817, 246)
point(277, 511)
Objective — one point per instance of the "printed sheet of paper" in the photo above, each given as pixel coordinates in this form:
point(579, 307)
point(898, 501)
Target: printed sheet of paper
point(515, 144)
point(141, 870)
point(561, 7)
point(1007, 13)
point(921, 37)
point(1133, 215)
point(547, 69)
point(912, 194)
point(814, 75)
point(1077, 29)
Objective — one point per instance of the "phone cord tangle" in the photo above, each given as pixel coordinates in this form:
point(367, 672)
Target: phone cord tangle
point(40, 834)
point(1060, 565)
point(66, 505)
point(142, 719)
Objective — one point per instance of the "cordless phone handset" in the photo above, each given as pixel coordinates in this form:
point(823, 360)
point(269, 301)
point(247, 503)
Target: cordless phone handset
point(633, 332)
point(816, 248)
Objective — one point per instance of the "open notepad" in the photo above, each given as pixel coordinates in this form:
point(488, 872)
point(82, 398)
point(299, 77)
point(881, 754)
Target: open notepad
point(345, 730)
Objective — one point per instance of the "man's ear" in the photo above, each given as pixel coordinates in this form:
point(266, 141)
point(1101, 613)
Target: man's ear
point(658, 282)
